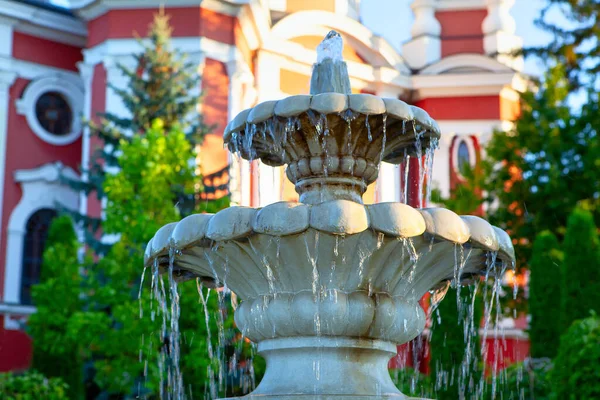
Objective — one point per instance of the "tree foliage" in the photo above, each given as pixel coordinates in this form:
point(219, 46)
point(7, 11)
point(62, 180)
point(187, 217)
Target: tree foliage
point(581, 268)
point(576, 35)
point(576, 372)
point(163, 86)
point(57, 352)
point(32, 386)
point(545, 305)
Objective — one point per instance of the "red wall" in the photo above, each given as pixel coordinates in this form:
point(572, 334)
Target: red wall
point(461, 31)
point(24, 150)
point(15, 349)
point(463, 108)
point(45, 52)
point(186, 21)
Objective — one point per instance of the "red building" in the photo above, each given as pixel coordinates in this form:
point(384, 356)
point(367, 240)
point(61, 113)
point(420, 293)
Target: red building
point(55, 64)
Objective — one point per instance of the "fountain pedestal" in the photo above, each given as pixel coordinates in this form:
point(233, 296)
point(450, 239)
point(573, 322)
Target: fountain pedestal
point(330, 286)
point(314, 367)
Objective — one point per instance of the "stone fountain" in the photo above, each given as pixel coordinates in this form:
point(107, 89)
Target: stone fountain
point(329, 286)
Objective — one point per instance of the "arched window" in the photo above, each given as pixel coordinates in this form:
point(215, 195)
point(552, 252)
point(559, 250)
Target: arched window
point(463, 159)
point(36, 232)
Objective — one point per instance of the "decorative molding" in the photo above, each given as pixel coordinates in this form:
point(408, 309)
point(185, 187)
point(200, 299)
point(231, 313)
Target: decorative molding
point(31, 71)
point(72, 93)
point(192, 46)
point(36, 16)
point(52, 34)
point(465, 60)
point(459, 5)
point(320, 22)
point(91, 9)
point(452, 85)
point(41, 189)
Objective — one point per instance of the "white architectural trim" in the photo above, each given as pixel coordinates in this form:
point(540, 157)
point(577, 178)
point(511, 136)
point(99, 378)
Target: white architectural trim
point(465, 60)
point(41, 189)
point(457, 5)
point(296, 57)
point(51, 34)
point(190, 45)
point(468, 140)
point(87, 75)
point(451, 85)
point(6, 81)
point(31, 71)
point(72, 93)
point(316, 22)
point(43, 18)
point(91, 9)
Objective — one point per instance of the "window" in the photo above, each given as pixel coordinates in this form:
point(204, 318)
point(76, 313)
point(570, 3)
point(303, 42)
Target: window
point(54, 113)
point(53, 107)
point(34, 243)
point(463, 159)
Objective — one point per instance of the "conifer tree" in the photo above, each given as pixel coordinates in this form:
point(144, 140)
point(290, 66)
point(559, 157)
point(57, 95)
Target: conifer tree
point(545, 287)
point(163, 86)
point(581, 268)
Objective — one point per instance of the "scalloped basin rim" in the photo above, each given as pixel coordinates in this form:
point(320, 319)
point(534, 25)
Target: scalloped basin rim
point(337, 217)
point(329, 103)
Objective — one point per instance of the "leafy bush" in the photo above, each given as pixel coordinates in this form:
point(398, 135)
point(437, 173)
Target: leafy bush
point(576, 373)
point(32, 386)
point(412, 383)
point(525, 380)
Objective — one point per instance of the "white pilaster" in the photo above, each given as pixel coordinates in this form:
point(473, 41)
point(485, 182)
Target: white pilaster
point(242, 95)
point(425, 47)
point(499, 33)
point(86, 72)
point(6, 81)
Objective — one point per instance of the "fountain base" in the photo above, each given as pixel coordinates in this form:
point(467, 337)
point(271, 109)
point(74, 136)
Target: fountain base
point(336, 368)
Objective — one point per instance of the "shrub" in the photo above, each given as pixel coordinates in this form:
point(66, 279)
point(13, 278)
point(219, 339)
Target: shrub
point(576, 373)
point(32, 386)
point(580, 268)
point(544, 296)
point(525, 380)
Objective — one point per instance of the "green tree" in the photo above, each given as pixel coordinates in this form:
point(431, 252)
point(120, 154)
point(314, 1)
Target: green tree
point(32, 386)
point(576, 43)
point(581, 269)
point(56, 352)
point(455, 350)
point(576, 372)
point(545, 286)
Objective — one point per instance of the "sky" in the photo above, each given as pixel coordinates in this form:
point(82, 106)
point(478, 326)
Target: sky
point(392, 19)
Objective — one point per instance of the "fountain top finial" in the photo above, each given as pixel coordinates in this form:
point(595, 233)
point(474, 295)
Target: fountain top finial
point(330, 48)
point(330, 74)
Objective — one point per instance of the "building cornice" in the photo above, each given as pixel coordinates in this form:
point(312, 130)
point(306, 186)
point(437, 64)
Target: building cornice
point(459, 5)
point(92, 9)
point(29, 70)
point(32, 16)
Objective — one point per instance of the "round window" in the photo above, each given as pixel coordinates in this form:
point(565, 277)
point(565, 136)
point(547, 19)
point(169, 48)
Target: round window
point(463, 158)
point(54, 113)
